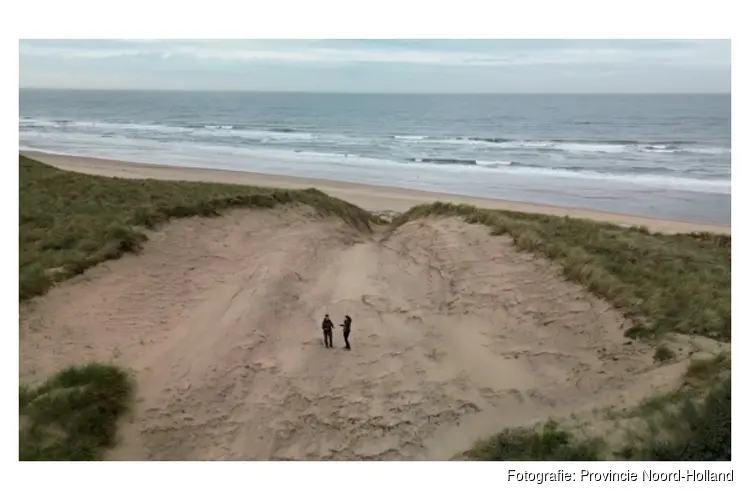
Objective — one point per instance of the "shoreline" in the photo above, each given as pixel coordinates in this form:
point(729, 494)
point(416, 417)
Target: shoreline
point(368, 197)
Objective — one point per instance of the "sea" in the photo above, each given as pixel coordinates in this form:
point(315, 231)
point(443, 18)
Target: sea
point(662, 156)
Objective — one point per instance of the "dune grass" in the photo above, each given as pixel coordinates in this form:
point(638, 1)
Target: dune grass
point(663, 354)
point(73, 415)
point(70, 222)
point(664, 283)
point(548, 443)
point(692, 423)
point(696, 431)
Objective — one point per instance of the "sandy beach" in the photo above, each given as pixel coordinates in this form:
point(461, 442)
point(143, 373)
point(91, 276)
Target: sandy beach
point(373, 198)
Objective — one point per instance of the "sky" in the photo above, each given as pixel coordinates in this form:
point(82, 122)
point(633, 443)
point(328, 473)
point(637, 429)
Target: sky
point(388, 66)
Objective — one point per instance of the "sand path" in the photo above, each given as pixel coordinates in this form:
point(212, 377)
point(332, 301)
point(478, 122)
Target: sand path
point(455, 335)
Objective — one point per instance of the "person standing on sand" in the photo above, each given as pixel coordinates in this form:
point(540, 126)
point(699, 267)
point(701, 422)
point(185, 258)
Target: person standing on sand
point(347, 326)
point(328, 331)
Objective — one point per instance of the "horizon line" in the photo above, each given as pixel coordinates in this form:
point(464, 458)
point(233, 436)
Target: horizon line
point(338, 92)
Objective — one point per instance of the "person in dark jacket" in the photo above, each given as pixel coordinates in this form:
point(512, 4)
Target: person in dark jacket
point(328, 331)
point(347, 326)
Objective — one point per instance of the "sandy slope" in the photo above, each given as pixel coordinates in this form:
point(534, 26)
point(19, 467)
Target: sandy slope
point(455, 335)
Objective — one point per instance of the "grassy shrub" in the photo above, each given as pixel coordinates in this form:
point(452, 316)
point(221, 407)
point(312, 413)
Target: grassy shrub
point(550, 443)
point(693, 423)
point(707, 371)
point(665, 283)
point(69, 222)
point(73, 415)
point(663, 354)
point(698, 431)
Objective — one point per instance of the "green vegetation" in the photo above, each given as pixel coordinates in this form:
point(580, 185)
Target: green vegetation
point(664, 283)
point(708, 371)
point(701, 376)
point(70, 222)
point(73, 415)
point(690, 431)
point(548, 443)
point(692, 423)
point(694, 432)
point(663, 354)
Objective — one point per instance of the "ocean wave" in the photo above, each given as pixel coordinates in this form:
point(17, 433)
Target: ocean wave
point(683, 165)
point(188, 130)
point(218, 127)
point(547, 145)
point(721, 186)
point(443, 161)
point(93, 126)
point(586, 147)
point(410, 138)
point(257, 135)
point(618, 142)
point(270, 135)
point(497, 164)
point(672, 149)
point(235, 157)
point(275, 130)
point(707, 151)
point(459, 161)
point(324, 154)
point(583, 146)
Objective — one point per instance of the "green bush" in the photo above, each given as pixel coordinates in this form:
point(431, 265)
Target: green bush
point(549, 443)
point(663, 353)
point(73, 415)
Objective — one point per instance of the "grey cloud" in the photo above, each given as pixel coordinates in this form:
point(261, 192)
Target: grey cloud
point(381, 65)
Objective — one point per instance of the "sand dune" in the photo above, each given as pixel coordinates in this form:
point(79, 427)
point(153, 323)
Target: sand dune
point(455, 335)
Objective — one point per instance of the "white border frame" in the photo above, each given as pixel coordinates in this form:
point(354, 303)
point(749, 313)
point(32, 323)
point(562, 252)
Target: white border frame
point(347, 19)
